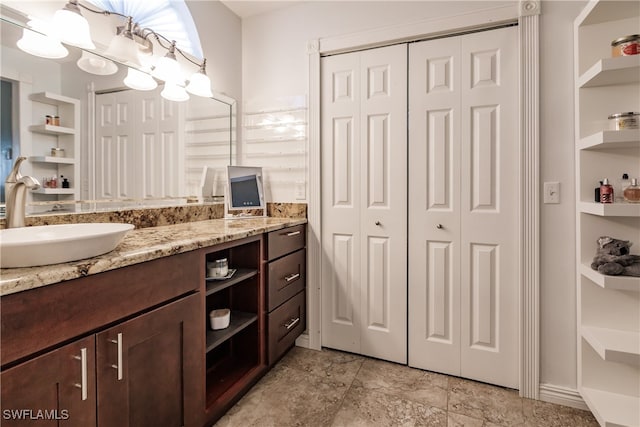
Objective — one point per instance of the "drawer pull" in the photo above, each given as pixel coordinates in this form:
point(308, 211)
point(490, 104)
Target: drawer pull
point(293, 233)
point(83, 379)
point(292, 323)
point(291, 277)
point(119, 365)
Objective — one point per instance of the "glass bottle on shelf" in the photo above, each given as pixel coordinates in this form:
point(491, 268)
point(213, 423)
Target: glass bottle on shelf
point(632, 192)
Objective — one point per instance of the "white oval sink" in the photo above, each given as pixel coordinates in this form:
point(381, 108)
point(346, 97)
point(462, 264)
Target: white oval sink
point(53, 244)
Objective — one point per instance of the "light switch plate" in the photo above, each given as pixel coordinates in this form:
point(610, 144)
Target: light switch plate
point(300, 190)
point(551, 192)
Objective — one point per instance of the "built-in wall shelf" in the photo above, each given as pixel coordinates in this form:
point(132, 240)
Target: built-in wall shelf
point(52, 130)
point(607, 139)
point(621, 283)
point(612, 409)
point(614, 345)
point(612, 71)
point(52, 98)
point(54, 191)
point(610, 209)
point(51, 159)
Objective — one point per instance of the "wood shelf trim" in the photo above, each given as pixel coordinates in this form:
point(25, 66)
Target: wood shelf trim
point(52, 130)
point(51, 159)
point(241, 275)
point(612, 71)
point(614, 345)
point(609, 139)
point(622, 283)
point(239, 321)
point(610, 209)
point(612, 409)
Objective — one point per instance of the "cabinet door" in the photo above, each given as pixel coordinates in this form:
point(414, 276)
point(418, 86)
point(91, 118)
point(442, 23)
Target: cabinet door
point(57, 388)
point(150, 368)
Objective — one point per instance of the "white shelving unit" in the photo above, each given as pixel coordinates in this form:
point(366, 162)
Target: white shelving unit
point(608, 306)
point(45, 136)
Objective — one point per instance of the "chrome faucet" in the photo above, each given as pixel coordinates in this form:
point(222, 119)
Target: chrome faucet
point(15, 188)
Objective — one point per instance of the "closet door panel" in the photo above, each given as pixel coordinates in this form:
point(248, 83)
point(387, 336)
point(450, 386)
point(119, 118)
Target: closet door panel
point(434, 214)
point(384, 206)
point(489, 229)
point(341, 199)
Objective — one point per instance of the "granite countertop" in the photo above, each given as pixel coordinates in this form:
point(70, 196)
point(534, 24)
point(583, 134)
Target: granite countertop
point(142, 245)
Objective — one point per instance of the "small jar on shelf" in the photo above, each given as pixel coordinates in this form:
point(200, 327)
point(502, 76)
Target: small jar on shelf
point(632, 192)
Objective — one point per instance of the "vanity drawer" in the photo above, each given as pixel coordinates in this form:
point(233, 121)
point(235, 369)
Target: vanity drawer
point(286, 277)
point(287, 240)
point(285, 324)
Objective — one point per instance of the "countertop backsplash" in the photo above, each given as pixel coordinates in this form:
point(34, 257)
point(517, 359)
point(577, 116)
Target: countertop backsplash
point(153, 217)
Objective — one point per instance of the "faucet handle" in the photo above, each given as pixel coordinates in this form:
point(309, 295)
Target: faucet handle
point(15, 175)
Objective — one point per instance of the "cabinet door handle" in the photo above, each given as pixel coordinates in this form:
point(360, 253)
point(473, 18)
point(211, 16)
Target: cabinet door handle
point(83, 379)
point(293, 233)
point(292, 323)
point(118, 341)
point(292, 277)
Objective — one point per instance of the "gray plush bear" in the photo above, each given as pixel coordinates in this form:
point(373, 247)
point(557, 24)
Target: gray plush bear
point(613, 258)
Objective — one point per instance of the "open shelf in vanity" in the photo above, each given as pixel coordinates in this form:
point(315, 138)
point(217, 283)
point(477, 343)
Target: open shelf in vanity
point(234, 356)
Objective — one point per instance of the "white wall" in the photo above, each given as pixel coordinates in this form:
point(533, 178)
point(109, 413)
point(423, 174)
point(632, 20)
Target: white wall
point(275, 65)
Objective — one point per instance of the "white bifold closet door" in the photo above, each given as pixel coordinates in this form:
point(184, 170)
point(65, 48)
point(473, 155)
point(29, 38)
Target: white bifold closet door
point(463, 206)
point(364, 202)
point(139, 146)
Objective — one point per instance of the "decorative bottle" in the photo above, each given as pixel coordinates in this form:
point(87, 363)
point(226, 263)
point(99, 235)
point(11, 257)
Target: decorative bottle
point(632, 192)
point(620, 186)
point(606, 192)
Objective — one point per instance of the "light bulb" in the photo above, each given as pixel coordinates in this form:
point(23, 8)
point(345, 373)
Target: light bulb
point(40, 45)
point(71, 27)
point(199, 83)
point(95, 64)
point(174, 92)
point(167, 67)
point(139, 80)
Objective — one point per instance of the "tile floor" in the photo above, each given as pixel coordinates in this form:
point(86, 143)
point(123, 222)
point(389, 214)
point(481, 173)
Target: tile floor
point(332, 388)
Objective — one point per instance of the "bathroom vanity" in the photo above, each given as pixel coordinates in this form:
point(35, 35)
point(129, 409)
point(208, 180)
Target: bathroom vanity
point(101, 341)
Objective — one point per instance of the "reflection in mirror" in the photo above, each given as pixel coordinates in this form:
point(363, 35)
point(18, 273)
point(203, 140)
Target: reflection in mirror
point(115, 147)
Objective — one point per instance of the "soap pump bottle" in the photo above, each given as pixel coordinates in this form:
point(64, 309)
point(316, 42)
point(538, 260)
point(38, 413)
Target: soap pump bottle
point(606, 192)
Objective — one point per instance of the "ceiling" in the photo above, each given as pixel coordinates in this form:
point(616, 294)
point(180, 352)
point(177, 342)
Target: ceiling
point(248, 8)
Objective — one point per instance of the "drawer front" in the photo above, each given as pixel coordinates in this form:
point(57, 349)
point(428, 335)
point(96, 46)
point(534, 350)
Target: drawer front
point(286, 323)
point(286, 277)
point(287, 240)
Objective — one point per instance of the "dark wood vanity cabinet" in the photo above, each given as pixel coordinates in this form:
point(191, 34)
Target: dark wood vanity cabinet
point(134, 357)
point(286, 284)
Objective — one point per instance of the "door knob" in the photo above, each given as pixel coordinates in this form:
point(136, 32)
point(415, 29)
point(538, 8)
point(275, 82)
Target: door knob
point(439, 226)
point(378, 223)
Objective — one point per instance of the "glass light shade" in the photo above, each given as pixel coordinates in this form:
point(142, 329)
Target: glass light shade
point(40, 45)
point(200, 85)
point(95, 64)
point(139, 80)
point(72, 28)
point(173, 92)
point(168, 70)
point(123, 49)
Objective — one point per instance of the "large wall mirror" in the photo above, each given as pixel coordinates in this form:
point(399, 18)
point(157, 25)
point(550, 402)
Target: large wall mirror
point(97, 144)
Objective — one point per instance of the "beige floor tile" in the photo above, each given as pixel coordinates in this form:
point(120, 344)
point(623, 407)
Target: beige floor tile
point(333, 364)
point(367, 408)
point(458, 420)
point(287, 397)
point(482, 401)
point(404, 382)
point(543, 414)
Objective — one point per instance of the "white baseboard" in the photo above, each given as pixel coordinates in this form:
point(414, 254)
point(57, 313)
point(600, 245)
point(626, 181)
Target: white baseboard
point(303, 340)
point(562, 396)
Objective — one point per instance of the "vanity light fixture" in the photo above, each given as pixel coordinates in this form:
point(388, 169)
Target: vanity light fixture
point(199, 83)
point(71, 27)
point(139, 80)
point(94, 64)
point(35, 43)
point(122, 47)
